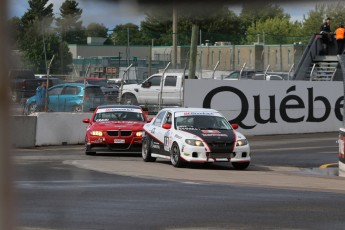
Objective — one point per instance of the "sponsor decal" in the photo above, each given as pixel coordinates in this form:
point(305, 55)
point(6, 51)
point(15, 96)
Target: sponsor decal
point(177, 136)
point(100, 140)
point(117, 110)
point(201, 113)
point(102, 120)
point(184, 128)
point(214, 135)
point(289, 102)
point(210, 131)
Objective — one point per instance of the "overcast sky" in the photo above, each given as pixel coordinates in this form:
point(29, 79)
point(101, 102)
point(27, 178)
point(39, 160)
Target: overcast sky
point(111, 14)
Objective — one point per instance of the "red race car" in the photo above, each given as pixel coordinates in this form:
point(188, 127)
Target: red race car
point(115, 128)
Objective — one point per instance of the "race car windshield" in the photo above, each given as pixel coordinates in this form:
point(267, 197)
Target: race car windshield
point(201, 122)
point(119, 116)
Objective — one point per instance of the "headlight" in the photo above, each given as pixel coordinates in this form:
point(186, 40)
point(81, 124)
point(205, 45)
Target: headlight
point(139, 134)
point(96, 133)
point(194, 142)
point(241, 142)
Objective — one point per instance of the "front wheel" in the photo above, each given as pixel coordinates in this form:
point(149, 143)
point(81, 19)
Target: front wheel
point(240, 165)
point(175, 157)
point(146, 151)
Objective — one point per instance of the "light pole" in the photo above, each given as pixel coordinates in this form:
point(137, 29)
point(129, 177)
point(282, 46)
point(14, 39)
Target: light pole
point(47, 87)
point(44, 49)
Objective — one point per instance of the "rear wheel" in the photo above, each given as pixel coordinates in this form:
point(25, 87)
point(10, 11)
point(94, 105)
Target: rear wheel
point(146, 151)
point(240, 165)
point(77, 109)
point(129, 99)
point(175, 157)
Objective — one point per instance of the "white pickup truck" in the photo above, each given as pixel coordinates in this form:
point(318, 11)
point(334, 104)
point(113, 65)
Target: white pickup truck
point(151, 91)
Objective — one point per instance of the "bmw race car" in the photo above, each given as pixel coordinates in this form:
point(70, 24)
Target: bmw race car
point(115, 128)
point(194, 135)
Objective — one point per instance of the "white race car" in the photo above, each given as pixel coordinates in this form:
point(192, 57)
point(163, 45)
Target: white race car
point(194, 135)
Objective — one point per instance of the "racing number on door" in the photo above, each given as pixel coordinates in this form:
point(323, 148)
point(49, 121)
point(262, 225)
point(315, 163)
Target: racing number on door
point(166, 141)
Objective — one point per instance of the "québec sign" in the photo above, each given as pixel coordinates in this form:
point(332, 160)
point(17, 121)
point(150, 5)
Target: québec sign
point(262, 107)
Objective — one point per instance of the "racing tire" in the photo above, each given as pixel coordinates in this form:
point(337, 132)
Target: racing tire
point(240, 165)
point(175, 157)
point(77, 109)
point(146, 151)
point(129, 99)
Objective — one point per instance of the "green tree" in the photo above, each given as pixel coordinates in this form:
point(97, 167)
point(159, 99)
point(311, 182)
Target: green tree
point(125, 33)
point(16, 27)
point(98, 30)
point(274, 31)
point(38, 11)
point(217, 23)
point(39, 42)
point(157, 25)
point(35, 28)
point(314, 19)
point(252, 12)
point(69, 24)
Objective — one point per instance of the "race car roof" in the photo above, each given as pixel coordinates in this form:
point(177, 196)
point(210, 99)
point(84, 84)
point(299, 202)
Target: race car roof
point(185, 109)
point(119, 106)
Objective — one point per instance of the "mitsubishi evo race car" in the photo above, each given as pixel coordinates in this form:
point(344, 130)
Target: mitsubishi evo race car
point(115, 128)
point(194, 135)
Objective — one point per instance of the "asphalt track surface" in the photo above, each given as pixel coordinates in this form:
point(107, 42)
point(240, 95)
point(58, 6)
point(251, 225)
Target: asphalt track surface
point(293, 173)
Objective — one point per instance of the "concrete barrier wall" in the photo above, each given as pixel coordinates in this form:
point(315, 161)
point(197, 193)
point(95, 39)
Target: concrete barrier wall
point(23, 131)
point(60, 128)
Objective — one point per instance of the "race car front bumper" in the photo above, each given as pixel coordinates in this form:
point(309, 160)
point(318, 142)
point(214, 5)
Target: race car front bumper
point(106, 144)
point(201, 154)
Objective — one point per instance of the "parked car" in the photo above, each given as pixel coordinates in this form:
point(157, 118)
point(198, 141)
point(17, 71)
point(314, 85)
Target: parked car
point(111, 92)
point(267, 77)
point(115, 128)
point(70, 97)
point(238, 75)
point(194, 135)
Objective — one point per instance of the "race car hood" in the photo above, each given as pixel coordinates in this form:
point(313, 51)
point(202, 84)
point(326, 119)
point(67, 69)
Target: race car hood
point(219, 141)
point(115, 125)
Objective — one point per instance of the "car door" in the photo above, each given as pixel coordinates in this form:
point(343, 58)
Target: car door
point(54, 95)
point(157, 132)
point(170, 91)
point(149, 90)
point(69, 98)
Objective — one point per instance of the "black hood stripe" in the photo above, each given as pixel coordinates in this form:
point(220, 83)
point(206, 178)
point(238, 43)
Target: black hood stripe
point(217, 140)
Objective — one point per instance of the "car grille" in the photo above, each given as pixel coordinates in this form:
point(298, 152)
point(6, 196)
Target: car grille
point(121, 133)
point(218, 155)
point(221, 147)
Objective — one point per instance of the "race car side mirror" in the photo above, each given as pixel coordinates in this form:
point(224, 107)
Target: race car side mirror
point(149, 120)
point(234, 126)
point(166, 126)
point(86, 120)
